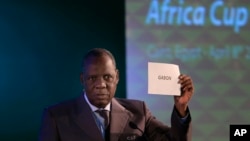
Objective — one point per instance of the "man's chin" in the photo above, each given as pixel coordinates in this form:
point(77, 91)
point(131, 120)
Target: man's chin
point(102, 103)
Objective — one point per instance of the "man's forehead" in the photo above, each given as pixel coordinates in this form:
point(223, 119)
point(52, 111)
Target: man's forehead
point(100, 73)
point(98, 59)
point(98, 64)
point(100, 68)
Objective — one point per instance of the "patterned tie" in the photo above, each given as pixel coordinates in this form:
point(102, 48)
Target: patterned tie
point(105, 115)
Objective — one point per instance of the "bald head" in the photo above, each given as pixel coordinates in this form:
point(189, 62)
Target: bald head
point(96, 53)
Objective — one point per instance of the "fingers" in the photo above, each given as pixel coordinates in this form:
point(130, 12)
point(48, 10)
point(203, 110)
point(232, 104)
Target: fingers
point(186, 83)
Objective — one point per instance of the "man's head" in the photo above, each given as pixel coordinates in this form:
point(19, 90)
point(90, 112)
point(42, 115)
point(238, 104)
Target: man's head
point(99, 76)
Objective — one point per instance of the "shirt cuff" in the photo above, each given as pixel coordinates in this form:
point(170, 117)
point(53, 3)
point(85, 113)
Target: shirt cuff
point(184, 119)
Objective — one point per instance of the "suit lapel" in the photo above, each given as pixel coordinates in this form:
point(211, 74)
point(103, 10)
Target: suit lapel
point(86, 121)
point(119, 119)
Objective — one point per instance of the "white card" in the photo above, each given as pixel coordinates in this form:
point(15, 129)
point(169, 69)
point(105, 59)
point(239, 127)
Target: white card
point(163, 79)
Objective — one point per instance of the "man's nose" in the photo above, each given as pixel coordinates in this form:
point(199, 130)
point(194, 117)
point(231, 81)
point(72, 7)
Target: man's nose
point(100, 83)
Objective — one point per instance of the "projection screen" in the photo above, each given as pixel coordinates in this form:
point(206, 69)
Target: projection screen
point(210, 41)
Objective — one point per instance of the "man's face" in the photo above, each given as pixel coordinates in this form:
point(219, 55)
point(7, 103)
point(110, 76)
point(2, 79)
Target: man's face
point(100, 80)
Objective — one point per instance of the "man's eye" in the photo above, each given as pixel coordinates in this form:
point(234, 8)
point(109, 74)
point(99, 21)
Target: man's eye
point(107, 77)
point(92, 78)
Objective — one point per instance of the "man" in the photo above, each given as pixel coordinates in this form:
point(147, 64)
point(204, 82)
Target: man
point(80, 119)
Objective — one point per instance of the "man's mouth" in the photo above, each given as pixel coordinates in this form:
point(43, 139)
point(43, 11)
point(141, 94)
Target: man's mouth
point(101, 95)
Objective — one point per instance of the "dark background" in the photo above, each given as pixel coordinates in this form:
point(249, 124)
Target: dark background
point(41, 47)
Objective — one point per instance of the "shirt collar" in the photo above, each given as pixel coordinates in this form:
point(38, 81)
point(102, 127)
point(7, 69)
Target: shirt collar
point(94, 108)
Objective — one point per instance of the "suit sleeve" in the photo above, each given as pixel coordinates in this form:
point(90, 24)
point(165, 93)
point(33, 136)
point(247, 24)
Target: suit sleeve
point(158, 131)
point(180, 131)
point(48, 129)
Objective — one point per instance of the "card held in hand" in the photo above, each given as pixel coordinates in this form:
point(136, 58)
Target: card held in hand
point(163, 79)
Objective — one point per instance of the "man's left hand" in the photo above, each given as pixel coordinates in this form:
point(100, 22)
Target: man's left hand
point(187, 91)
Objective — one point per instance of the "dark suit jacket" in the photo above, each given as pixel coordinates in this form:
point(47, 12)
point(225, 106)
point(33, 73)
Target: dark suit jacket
point(73, 121)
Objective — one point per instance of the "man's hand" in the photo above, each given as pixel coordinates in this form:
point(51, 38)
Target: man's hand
point(187, 91)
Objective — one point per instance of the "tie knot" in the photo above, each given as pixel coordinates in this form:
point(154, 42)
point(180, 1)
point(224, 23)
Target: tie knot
point(105, 115)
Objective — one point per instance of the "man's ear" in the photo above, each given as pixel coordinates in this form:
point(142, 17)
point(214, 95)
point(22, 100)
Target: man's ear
point(117, 76)
point(82, 78)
